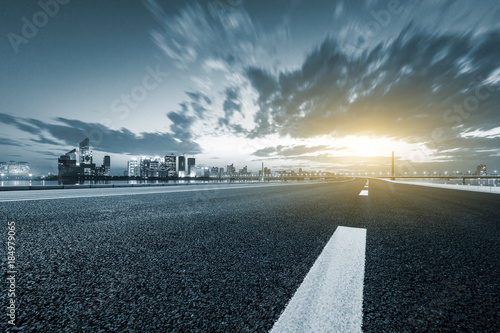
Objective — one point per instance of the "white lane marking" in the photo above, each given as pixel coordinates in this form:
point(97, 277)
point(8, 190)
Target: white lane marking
point(133, 191)
point(363, 193)
point(330, 299)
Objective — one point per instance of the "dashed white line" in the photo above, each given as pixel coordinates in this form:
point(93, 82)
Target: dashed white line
point(364, 192)
point(330, 299)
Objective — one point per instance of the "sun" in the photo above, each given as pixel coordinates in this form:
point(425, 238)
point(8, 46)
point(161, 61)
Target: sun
point(368, 146)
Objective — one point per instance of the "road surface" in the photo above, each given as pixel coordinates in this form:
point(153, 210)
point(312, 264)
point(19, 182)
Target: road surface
point(230, 259)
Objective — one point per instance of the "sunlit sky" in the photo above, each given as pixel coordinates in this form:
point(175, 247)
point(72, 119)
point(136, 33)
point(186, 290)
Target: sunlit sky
point(321, 85)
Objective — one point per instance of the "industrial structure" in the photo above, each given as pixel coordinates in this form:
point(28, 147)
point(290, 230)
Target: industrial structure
point(71, 168)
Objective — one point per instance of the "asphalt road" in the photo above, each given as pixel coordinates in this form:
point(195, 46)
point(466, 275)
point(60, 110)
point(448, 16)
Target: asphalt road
point(230, 260)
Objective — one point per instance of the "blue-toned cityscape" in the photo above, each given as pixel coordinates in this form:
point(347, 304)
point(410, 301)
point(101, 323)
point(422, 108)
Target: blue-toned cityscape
point(250, 166)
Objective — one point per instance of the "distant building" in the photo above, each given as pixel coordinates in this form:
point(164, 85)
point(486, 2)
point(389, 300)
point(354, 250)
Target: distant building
point(105, 169)
point(244, 171)
point(67, 166)
point(145, 167)
point(481, 170)
point(202, 171)
point(133, 168)
point(152, 167)
point(170, 165)
point(162, 167)
point(107, 165)
point(214, 172)
point(231, 170)
point(191, 163)
point(267, 172)
point(181, 171)
point(15, 169)
point(85, 153)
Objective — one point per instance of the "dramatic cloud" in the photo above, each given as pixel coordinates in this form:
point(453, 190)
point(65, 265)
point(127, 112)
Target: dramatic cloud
point(283, 151)
point(11, 120)
point(231, 105)
point(421, 88)
point(201, 31)
point(123, 141)
point(9, 142)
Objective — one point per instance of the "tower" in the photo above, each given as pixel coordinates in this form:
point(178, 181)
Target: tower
point(182, 166)
point(107, 165)
point(85, 154)
point(191, 162)
point(392, 173)
point(170, 165)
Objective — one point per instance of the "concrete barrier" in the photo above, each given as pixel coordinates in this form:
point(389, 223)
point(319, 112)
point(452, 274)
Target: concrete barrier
point(101, 185)
point(75, 186)
point(16, 188)
point(47, 187)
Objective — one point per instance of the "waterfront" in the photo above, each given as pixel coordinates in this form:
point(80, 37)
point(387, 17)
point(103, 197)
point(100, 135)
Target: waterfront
point(5, 183)
point(446, 181)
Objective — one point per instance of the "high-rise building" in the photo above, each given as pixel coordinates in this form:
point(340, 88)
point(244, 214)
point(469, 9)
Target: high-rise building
point(107, 165)
point(231, 170)
point(144, 166)
point(85, 153)
point(152, 167)
point(181, 171)
point(133, 168)
point(67, 167)
point(243, 172)
point(202, 171)
point(170, 165)
point(191, 171)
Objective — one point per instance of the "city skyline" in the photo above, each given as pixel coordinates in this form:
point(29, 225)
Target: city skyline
point(325, 85)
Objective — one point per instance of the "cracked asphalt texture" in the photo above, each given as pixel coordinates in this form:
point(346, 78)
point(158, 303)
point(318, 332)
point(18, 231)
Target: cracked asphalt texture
point(230, 260)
